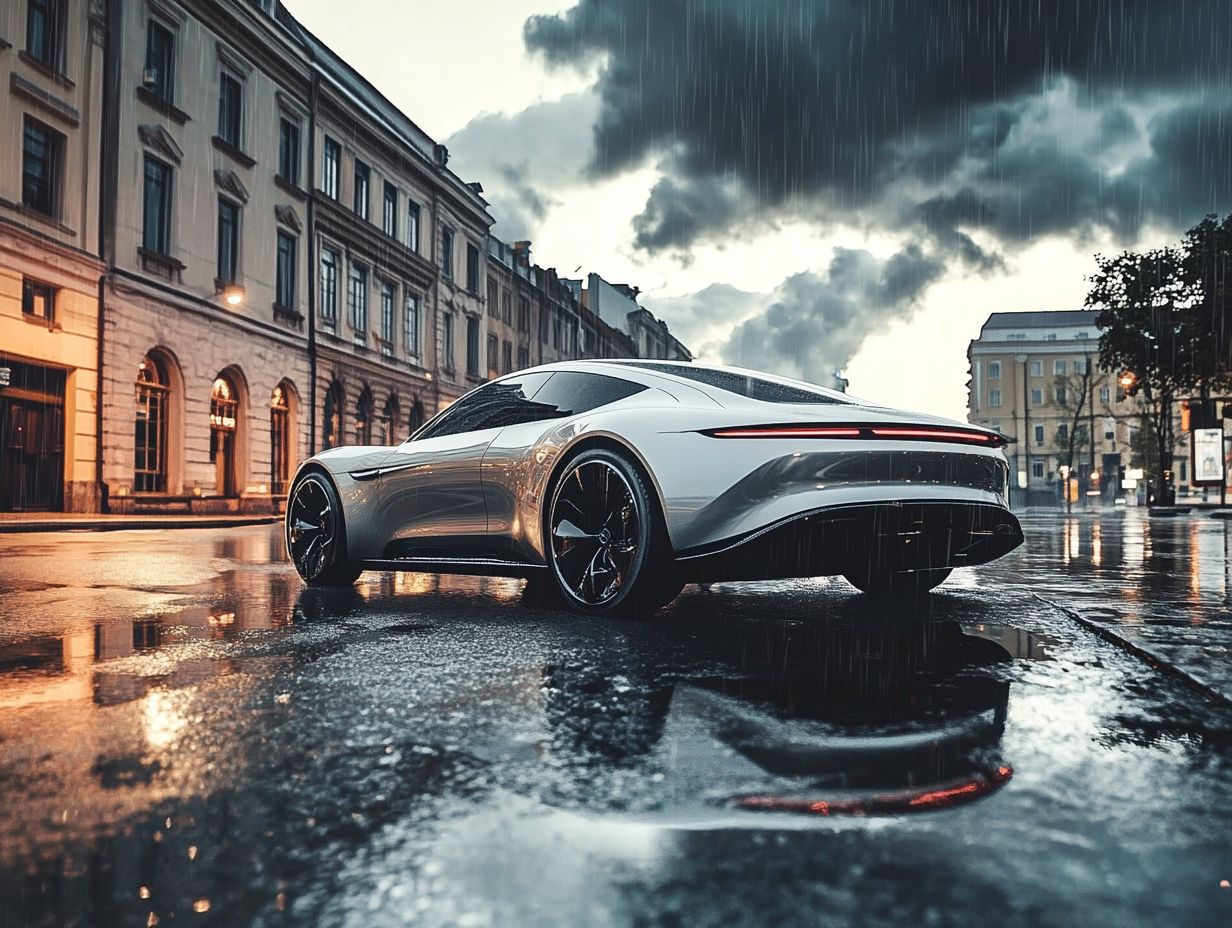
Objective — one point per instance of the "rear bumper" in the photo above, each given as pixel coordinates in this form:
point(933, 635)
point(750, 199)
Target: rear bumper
point(895, 536)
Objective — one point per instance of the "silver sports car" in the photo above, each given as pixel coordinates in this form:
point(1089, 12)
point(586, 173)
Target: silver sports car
point(617, 482)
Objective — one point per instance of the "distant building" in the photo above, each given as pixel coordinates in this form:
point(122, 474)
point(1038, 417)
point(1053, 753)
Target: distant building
point(1027, 371)
point(617, 306)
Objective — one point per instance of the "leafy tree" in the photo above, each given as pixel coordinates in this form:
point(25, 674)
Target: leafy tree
point(1207, 268)
point(1148, 321)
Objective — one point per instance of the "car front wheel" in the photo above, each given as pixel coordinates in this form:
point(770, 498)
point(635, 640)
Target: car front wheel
point(316, 535)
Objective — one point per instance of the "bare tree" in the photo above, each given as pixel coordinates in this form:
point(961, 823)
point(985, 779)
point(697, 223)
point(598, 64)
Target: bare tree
point(1072, 392)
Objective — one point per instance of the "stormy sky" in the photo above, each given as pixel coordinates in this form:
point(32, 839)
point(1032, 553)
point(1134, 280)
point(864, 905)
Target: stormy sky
point(809, 185)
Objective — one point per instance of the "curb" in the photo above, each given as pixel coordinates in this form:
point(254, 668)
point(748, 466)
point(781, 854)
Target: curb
point(118, 525)
point(1143, 654)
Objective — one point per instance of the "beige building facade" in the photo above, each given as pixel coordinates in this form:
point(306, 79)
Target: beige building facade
point(51, 107)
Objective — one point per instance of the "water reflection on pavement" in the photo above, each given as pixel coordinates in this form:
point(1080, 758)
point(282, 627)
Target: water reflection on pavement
point(186, 733)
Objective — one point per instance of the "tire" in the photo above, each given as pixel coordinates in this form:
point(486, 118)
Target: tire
point(902, 584)
point(316, 533)
point(605, 541)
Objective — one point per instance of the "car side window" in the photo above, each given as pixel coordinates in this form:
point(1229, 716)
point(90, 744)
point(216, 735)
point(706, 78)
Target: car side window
point(506, 402)
point(571, 392)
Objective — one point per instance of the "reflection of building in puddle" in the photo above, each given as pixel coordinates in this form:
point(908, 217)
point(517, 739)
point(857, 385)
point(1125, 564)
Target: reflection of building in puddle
point(401, 584)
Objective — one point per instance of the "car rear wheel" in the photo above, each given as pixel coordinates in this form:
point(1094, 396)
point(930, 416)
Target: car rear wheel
point(897, 583)
point(316, 535)
point(606, 543)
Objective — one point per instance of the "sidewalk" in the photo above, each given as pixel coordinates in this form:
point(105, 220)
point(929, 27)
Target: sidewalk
point(94, 522)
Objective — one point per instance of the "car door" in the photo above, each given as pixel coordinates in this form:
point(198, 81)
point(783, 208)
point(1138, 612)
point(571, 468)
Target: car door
point(431, 487)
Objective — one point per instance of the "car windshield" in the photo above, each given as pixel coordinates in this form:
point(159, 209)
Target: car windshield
point(757, 388)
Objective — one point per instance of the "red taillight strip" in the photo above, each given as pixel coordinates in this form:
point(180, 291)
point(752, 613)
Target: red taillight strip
point(853, 430)
point(934, 433)
point(786, 433)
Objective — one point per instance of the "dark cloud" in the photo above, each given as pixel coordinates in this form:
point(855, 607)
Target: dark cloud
point(816, 323)
point(791, 103)
point(522, 157)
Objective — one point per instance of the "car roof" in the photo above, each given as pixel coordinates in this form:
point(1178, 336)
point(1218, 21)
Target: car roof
point(654, 372)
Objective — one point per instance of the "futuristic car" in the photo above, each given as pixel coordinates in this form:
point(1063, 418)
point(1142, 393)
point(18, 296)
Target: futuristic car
point(617, 482)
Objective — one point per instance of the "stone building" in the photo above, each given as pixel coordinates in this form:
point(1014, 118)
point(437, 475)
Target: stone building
point(215, 224)
point(51, 58)
point(1035, 377)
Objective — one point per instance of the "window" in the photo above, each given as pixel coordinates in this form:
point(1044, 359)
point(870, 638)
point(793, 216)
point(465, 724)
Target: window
point(389, 297)
point(1037, 368)
point(280, 441)
point(1062, 433)
point(1037, 396)
point(357, 301)
point(288, 151)
point(493, 355)
point(329, 290)
point(417, 416)
point(363, 418)
point(331, 166)
point(156, 233)
point(38, 300)
point(472, 268)
point(994, 370)
point(506, 307)
point(228, 241)
point(331, 422)
point(472, 346)
point(447, 253)
point(362, 176)
point(523, 358)
point(757, 388)
point(493, 305)
point(1110, 436)
point(507, 358)
point(1058, 368)
point(1104, 394)
point(1060, 396)
point(410, 325)
point(159, 77)
point(447, 341)
point(1080, 365)
point(506, 402)
point(150, 466)
point(389, 210)
point(523, 314)
point(569, 392)
point(412, 226)
point(1037, 469)
point(45, 32)
point(285, 285)
point(389, 420)
point(1039, 434)
point(230, 109)
point(994, 398)
point(42, 148)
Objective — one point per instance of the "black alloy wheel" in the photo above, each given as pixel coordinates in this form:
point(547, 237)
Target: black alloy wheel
point(315, 536)
point(605, 545)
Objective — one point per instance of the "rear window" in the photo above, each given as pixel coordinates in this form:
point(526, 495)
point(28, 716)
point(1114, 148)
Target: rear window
point(768, 391)
point(568, 393)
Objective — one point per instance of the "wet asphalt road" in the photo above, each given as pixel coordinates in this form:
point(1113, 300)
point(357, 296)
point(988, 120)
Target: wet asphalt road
point(188, 736)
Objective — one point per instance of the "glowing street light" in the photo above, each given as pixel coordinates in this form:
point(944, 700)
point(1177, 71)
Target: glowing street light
point(233, 295)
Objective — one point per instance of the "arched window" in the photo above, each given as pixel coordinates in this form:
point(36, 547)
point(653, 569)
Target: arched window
point(331, 423)
point(363, 418)
point(417, 416)
point(150, 466)
point(389, 420)
point(224, 419)
point(280, 440)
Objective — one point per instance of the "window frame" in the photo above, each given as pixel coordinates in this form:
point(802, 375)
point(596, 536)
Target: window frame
point(447, 345)
point(289, 159)
point(447, 253)
point(472, 346)
point(389, 210)
point(164, 88)
point(51, 55)
point(412, 225)
point(389, 302)
point(285, 271)
point(412, 322)
point(472, 268)
point(48, 202)
point(994, 398)
point(329, 288)
point(994, 370)
point(361, 191)
point(235, 124)
point(223, 278)
point(331, 168)
point(167, 174)
point(357, 300)
point(31, 290)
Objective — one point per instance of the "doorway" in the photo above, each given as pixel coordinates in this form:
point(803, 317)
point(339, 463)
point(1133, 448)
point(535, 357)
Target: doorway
point(32, 439)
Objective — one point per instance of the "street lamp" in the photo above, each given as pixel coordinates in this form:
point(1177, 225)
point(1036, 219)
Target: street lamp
point(233, 294)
